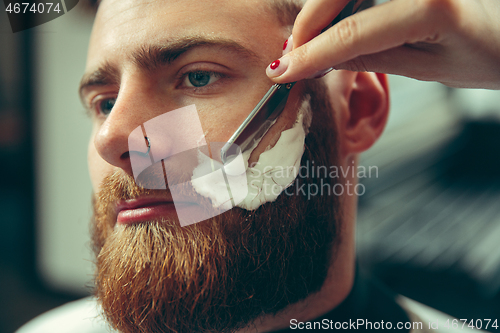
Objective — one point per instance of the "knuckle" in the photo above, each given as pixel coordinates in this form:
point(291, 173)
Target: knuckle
point(346, 32)
point(356, 65)
point(442, 12)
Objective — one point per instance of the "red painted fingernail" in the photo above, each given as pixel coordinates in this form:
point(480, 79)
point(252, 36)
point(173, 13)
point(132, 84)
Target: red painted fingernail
point(278, 67)
point(275, 64)
point(287, 47)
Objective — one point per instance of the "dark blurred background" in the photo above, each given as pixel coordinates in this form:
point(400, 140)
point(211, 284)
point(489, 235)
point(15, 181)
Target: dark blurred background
point(45, 259)
point(428, 222)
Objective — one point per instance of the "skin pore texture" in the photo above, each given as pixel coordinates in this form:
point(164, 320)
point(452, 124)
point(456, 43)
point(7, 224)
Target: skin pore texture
point(245, 271)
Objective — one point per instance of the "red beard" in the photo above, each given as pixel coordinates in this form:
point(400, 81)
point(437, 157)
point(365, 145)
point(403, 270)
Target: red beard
point(221, 274)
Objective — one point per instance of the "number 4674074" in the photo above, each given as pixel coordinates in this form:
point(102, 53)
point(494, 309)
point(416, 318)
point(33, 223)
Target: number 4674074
point(26, 7)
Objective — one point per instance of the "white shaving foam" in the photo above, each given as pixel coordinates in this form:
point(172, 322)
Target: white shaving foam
point(251, 187)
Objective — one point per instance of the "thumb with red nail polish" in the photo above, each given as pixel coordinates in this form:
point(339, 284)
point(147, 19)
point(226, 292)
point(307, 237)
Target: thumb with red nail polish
point(277, 67)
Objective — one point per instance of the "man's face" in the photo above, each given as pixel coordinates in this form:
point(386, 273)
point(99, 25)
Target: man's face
point(220, 39)
point(148, 58)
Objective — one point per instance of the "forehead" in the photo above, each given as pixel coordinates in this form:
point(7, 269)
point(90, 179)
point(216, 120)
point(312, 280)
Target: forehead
point(122, 26)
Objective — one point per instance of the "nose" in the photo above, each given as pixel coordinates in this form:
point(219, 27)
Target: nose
point(117, 138)
point(145, 127)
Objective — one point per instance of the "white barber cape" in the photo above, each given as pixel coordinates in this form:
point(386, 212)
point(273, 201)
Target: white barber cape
point(83, 316)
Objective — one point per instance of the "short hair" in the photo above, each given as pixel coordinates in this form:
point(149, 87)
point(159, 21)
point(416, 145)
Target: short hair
point(286, 10)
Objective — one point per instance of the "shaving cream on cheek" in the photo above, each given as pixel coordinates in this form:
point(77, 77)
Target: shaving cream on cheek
point(251, 187)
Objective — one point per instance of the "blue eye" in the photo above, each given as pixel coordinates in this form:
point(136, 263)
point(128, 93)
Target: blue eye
point(106, 106)
point(201, 79)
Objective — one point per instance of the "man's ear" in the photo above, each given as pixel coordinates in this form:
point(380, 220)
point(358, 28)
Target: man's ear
point(365, 112)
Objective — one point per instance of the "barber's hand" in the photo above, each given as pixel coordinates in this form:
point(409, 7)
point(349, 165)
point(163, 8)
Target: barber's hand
point(455, 42)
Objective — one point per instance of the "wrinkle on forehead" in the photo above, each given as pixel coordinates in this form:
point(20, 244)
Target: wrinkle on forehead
point(239, 11)
point(123, 11)
point(123, 26)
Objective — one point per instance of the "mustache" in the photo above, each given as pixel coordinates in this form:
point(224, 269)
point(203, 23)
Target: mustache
point(120, 186)
point(152, 181)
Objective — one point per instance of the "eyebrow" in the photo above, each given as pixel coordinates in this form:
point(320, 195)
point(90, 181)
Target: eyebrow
point(151, 57)
point(105, 75)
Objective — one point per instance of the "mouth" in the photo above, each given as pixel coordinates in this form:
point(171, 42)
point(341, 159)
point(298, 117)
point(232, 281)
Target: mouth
point(146, 209)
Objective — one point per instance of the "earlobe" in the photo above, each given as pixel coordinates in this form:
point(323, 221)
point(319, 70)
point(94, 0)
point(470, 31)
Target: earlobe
point(368, 110)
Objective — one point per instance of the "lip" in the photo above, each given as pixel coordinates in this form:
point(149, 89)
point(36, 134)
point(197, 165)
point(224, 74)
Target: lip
point(147, 209)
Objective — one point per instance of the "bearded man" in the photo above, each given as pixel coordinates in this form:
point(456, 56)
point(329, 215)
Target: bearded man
point(279, 263)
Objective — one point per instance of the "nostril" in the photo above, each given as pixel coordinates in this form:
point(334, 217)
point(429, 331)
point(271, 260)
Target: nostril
point(125, 155)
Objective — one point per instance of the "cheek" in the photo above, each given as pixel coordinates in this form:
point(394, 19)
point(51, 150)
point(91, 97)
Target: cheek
point(98, 168)
point(284, 122)
point(221, 118)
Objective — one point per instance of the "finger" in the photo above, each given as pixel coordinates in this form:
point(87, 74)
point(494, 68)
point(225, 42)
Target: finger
point(428, 63)
point(374, 30)
point(422, 64)
point(313, 18)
